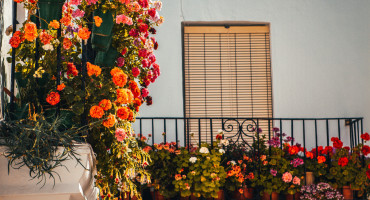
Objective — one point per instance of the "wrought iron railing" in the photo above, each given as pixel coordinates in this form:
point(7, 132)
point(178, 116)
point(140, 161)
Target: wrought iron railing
point(309, 132)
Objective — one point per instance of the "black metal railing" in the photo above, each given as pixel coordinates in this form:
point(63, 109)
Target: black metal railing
point(309, 132)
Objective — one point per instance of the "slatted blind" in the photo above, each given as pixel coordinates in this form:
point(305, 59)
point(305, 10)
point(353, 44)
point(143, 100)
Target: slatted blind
point(227, 74)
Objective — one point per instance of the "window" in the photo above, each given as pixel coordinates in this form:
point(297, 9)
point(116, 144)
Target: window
point(227, 73)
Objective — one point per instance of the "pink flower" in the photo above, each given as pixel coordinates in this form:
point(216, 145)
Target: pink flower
point(145, 63)
point(89, 2)
point(134, 33)
point(123, 19)
point(152, 58)
point(287, 177)
point(273, 172)
point(75, 2)
point(296, 181)
point(158, 5)
point(120, 134)
point(78, 13)
point(144, 92)
point(120, 62)
point(135, 71)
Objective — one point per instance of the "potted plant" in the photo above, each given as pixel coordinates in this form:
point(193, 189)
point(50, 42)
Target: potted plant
point(163, 169)
point(347, 171)
point(320, 191)
point(200, 172)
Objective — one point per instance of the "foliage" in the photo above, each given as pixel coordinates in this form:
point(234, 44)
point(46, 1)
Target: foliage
point(199, 171)
point(39, 143)
point(163, 168)
point(108, 94)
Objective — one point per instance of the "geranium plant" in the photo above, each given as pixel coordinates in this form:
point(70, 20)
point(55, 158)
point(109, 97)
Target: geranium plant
point(200, 172)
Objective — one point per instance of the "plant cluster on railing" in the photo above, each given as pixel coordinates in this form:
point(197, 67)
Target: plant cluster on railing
point(86, 62)
point(265, 171)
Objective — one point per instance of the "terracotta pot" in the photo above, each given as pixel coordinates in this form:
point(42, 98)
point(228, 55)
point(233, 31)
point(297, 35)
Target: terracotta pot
point(158, 196)
point(248, 192)
point(126, 197)
point(273, 196)
point(347, 192)
point(220, 194)
point(189, 198)
point(310, 178)
point(295, 196)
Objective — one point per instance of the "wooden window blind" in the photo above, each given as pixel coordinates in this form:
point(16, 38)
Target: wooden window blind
point(227, 73)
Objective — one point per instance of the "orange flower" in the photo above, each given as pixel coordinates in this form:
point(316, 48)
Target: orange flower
point(309, 155)
point(240, 191)
point(110, 121)
point(321, 159)
point(61, 87)
point(120, 79)
point(53, 98)
point(105, 104)
point(98, 21)
point(93, 69)
point(67, 43)
point(30, 31)
point(54, 24)
point(134, 89)
point(96, 112)
point(115, 71)
point(122, 113)
point(66, 20)
point(124, 96)
point(45, 38)
point(16, 39)
point(130, 116)
point(137, 102)
point(84, 33)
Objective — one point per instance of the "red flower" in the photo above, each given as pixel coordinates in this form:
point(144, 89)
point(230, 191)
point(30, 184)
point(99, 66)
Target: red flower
point(365, 136)
point(71, 70)
point(53, 98)
point(152, 12)
point(343, 161)
point(365, 150)
point(293, 150)
point(321, 159)
point(143, 28)
point(368, 174)
point(337, 143)
point(328, 150)
point(218, 137)
point(143, 53)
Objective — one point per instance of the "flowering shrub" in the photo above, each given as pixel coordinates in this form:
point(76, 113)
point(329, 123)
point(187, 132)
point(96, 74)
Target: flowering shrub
point(321, 191)
point(110, 95)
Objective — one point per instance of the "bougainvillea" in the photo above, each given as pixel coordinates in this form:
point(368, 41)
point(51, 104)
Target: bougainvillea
point(93, 91)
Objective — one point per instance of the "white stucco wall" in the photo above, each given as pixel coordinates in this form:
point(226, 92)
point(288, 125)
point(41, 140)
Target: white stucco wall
point(320, 54)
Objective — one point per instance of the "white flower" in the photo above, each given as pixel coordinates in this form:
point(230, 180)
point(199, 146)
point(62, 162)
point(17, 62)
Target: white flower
point(203, 150)
point(233, 162)
point(47, 47)
point(193, 159)
point(221, 151)
point(220, 131)
point(224, 142)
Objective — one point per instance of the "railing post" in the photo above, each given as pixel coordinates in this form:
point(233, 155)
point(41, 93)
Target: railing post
point(211, 132)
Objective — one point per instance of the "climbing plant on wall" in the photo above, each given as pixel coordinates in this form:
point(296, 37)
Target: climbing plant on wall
point(91, 62)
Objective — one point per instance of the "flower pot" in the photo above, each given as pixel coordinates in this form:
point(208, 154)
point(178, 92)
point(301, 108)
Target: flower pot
point(102, 35)
point(309, 178)
point(106, 59)
point(273, 196)
point(295, 196)
point(220, 194)
point(347, 192)
point(248, 192)
point(192, 197)
point(49, 10)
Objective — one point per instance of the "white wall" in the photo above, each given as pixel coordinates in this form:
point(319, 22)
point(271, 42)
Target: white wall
point(320, 54)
